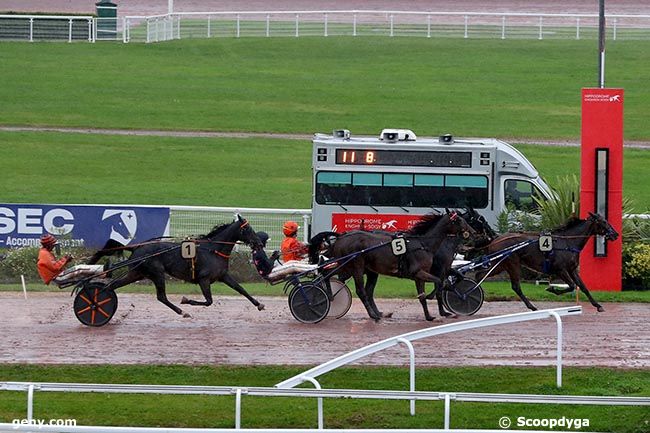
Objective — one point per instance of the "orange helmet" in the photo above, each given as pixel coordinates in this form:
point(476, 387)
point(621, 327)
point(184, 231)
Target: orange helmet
point(48, 241)
point(290, 228)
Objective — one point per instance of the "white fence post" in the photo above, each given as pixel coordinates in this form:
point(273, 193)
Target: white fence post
point(354, 24)
point(31, 30)
point(578, 28)
point(541, 21)
point(428, 26)
point(503, 27)
point(30, 402)
point(391, 25)
point(411, 369)
point(558, 365)
point(268, 24)
point(325, 25)
point(238, 25)
point(238, 408)
point(466, 23)
point(297, 25)
point(614, 29)
point(70, 30)
point(209, 24)
point(447, 411)
point(320, 402)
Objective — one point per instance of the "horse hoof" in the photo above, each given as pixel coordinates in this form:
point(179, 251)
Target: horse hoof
point(260, 307)
point(187, 315)
point(184, 300)
point(387, 315)
point(600, 309)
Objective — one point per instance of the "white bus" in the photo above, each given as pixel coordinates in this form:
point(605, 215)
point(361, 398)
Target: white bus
point(387, 182)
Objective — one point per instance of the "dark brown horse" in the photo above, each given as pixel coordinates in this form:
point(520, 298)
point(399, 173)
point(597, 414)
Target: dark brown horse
point(422, 241)
point(154, 260)
point(560, 262)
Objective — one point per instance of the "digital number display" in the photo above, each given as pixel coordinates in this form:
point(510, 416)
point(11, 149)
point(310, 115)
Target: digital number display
point(410, 158)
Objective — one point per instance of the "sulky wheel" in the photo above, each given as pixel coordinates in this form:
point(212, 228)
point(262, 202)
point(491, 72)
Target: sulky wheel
point(95, 305)
point(462, 298)
point(308, 303)
point(341, 299)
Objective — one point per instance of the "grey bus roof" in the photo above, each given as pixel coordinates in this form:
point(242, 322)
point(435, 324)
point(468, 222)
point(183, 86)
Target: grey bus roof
point(508, 159)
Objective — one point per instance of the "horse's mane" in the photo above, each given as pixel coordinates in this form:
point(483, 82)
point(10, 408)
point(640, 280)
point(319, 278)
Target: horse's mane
point(571, 222)
point(215, 230)
point(425, 224)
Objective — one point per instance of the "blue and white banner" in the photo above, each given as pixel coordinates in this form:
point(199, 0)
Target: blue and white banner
point(90, 226)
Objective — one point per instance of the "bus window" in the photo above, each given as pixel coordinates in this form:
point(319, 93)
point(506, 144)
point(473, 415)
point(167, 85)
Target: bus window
point(520, 193)
point(401, 189)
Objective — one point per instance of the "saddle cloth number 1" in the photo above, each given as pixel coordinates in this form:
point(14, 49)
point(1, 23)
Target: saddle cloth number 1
point(399, 246)
point(188, 250)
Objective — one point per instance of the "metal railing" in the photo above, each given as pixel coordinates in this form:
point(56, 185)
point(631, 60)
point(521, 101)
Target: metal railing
point(47, 28)
point(284, 389)
point(380, 23)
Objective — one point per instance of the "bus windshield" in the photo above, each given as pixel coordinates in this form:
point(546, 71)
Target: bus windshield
point(401, 189)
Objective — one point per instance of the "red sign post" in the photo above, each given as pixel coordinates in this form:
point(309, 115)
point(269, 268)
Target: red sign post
point(601, 184)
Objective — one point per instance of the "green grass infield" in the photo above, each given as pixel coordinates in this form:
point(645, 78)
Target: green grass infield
point(264, 412)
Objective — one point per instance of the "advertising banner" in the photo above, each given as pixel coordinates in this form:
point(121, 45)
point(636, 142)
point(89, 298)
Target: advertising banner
point(345, 222)
point(89, 226)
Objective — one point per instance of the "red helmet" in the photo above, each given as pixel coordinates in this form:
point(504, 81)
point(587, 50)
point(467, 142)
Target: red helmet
point(48, 241)
point(290, 228)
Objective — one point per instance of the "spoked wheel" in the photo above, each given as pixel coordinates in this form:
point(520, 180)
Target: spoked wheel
point(308, 303)
point(95, 305)
point(463, 299)
point(341, 299)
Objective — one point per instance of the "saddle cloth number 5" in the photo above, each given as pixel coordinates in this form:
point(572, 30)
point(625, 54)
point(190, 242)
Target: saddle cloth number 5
point(399, 246)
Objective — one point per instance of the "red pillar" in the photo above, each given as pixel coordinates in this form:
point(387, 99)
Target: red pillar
point(602, 149)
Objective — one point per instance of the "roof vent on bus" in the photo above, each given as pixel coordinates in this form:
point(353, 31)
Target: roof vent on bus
point(342, 133)
point(446, 139)
point(393, 135)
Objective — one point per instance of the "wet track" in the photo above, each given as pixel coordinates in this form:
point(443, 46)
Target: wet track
point(43, 329)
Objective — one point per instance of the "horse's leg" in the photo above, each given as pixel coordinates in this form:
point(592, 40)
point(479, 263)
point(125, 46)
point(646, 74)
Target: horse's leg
point(361, 293)
point(159, 281)
point(583, 287)
point(422, 296)
point(230, 281)
point(204, 284)
point(567, 278)
point(371, 282)
point(514, 271)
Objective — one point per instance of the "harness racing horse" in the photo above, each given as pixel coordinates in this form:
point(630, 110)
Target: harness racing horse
point(209, 265)
point(444, 256)
point(561, 261)
point(422, 242)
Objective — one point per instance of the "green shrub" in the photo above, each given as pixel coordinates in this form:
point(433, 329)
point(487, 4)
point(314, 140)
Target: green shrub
point(636, 266)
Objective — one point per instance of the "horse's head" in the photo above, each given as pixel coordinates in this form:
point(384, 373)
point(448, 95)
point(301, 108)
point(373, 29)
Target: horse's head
point(458, 225)
point(602, 227)
point(478, 223)
point(120, 231)
point(247, 235)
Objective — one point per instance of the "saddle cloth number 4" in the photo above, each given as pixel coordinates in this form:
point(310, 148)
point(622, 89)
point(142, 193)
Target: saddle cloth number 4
point(399, 246)
point(545, 243)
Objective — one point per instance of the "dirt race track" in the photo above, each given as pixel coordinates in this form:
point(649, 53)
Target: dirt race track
point(43, 329)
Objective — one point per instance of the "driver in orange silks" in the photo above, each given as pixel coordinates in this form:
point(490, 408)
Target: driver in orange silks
point(50, 269)
point(293, 251)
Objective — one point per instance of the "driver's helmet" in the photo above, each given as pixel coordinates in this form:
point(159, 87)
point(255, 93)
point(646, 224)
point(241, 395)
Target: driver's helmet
point(264, 237)
point(290, 228)
point(48, 241)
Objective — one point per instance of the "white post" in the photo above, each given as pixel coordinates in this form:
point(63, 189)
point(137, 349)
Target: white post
point(325, 25)
point(428, 26)
point(558, 367)
point(31, 30)
point(305, 224)
point(70, 30)
point(22, 279)
point(614, 35)
point(178, 28)
point(268, 24)
point(148, 31)
point(391, 26)
point(30, 402)
point(411, 370)
point(320, 402)
point(354, 24)
point(541, 21)
point(578, 28)
point(447, 411)
point(297, 25)
point(237, 25)
point(503, 27)
point(466, 22)
point(170, 6)
point(209, 23)
point(238, 409)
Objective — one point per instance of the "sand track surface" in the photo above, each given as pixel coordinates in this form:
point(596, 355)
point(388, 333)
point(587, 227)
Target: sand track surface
point(43, 329)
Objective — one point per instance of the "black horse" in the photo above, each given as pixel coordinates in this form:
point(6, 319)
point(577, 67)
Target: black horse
point(422, 242)
point(561, 262)
point(444, 255)
point(153, 260)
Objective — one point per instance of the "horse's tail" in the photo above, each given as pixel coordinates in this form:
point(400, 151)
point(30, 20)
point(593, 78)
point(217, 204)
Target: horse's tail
point(321, 244)
point(111, 248)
